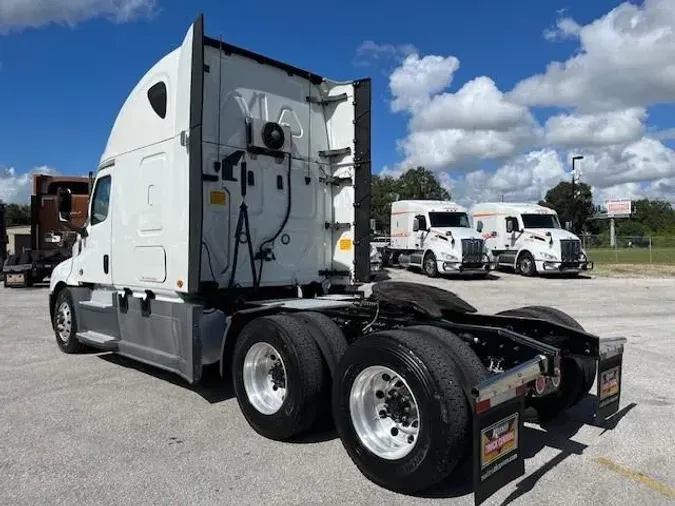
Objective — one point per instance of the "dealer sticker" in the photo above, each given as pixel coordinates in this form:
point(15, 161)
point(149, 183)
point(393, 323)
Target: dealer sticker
point(499, 439)
point(609, 383)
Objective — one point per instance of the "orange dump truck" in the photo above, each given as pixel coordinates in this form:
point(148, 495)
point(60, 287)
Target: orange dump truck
point(50, 240)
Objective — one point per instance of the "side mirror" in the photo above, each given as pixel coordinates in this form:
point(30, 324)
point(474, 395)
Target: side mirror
point(64, 204)
point(568, 225)
point(479, 226)
point(509, 227)
point(416, 224)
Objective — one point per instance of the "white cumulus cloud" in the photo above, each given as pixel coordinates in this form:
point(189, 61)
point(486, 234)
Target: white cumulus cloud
point(447, 129)
point(645, 160)
point(417, 79)
point(370, 52)
point(16, 188)
point(478, 105)
point(601, 129)
point(524, 178)
point(604, 93)
point(19, 14)
point(626, 59)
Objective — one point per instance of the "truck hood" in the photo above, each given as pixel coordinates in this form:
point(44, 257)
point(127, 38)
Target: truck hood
point(457, 233)
point(556, 233)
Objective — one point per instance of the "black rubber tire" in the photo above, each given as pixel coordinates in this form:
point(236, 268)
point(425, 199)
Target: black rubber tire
point(305, 377)
point(460, 350)
point(332, 344)
point(588, 365)
point(72, 345)
point(333, 338)
point(573, 376)
point(444, 437)
point(394, 258)
point(532, 270)
point(431, 270)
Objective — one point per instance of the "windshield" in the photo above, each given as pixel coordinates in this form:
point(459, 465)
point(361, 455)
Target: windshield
point(449, 220)
point(540, 221)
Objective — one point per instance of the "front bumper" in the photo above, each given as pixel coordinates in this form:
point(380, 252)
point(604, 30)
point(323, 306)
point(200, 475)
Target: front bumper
point(554, 266)
point(465, 268)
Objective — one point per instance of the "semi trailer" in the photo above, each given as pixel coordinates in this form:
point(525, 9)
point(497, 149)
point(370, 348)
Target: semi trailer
point(50, 241)
point(229, 229)
point(435, 236)
point(529, 239)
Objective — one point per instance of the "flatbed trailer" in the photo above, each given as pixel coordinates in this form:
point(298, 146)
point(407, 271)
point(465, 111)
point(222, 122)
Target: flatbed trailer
point(172, 270)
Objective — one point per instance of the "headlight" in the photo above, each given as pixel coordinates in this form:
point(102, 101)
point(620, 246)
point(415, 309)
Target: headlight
point(583, 257)
point(548, 256)
point(449, 257)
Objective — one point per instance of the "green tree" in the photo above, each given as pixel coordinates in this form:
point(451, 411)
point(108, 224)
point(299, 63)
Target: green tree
point(17, 214)
point(421, 184)
point(654, 215)
point(578, 210)
point(383, 193)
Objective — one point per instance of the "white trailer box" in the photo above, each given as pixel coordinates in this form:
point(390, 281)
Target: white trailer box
point(437, 236)
point(528, 238)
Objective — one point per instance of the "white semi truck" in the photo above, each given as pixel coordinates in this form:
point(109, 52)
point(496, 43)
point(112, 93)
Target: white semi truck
point(436, 236)
point(228, 229)
point(528, 238)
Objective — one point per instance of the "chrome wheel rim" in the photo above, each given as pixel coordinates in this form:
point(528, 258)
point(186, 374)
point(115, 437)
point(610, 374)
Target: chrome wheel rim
point(525, 265)
point(64, 323)
point(384, 413)
point(429, 264)
point(264, 377)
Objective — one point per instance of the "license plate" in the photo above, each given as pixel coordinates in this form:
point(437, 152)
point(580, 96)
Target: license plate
point(497, 439)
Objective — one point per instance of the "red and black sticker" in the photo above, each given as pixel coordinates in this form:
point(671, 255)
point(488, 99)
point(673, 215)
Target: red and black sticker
point(609, 387)
point(497, 447)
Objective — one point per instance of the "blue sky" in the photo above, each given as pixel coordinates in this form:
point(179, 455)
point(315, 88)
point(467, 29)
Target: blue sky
point(61, 84)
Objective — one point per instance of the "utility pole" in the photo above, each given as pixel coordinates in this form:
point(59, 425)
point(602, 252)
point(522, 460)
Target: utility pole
point(575, 178)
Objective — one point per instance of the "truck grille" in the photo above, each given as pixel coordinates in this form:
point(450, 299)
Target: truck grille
point(472, 251)
point(570, 250)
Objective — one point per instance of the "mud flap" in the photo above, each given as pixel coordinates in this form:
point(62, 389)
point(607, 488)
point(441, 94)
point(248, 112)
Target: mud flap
point(610, 361)
point(498, 406)
point(497, 442)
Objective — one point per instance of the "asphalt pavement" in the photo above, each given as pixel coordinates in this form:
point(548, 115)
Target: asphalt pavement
point(99, 429)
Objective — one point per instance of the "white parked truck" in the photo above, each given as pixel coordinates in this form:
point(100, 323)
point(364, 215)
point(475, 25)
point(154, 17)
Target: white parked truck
point(436, 236)
point(228, 229)
point(529, 239)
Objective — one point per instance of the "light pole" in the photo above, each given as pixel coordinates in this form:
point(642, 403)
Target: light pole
point(575, 178)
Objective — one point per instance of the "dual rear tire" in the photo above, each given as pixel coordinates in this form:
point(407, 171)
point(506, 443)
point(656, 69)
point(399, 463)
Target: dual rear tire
point(577, 373)
point(396, 397)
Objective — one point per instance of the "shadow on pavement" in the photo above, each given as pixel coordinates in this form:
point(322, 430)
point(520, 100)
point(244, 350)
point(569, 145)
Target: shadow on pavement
point(211, 387)
point(556, 434)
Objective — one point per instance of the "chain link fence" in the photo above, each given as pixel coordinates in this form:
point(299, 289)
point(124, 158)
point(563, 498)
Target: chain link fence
point(643, 249)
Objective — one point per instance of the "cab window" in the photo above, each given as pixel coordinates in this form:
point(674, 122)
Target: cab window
point(101, 201)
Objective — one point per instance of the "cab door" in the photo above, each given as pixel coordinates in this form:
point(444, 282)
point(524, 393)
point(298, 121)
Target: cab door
point(512, 231)
point(93, 263)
